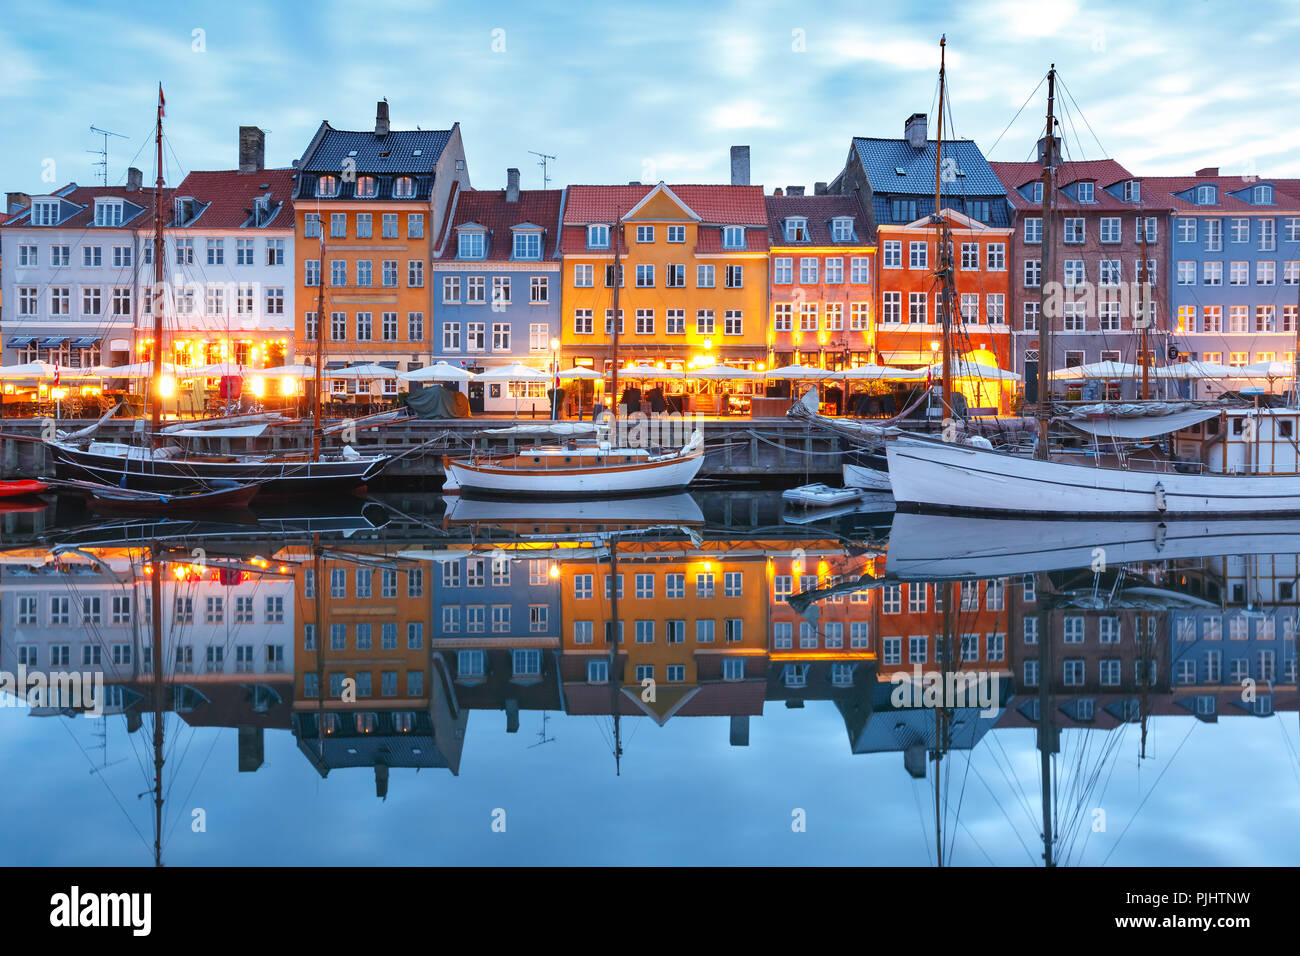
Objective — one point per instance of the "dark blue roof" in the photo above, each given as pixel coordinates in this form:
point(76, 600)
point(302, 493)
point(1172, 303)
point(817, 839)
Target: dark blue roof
point(393, 153)
point(882, 160)
point(999, 212)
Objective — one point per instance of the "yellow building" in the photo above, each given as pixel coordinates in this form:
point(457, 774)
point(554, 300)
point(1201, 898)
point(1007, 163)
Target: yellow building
point(694, 263)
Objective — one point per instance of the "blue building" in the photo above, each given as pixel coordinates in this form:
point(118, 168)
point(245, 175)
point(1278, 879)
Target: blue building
point(496, 293)
point(1214, 652)
point(1234, 266)
point(894, 178)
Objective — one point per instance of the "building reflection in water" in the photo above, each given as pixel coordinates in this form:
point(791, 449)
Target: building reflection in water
point(372, 645)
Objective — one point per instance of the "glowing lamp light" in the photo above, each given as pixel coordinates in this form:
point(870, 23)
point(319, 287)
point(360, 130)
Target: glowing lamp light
point(555, 345)
point(258, 387)
point(166, 386)
point(554, 571)
point(288, 386)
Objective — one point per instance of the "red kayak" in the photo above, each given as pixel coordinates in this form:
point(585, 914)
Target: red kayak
point(17, 489)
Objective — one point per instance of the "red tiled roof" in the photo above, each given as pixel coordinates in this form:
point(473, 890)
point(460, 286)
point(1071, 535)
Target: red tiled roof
point(1286, 192)
point(715, 205)
point(819, 210)
point(488, 207)
point(85, 196)
point(1103, 172)
point(231, 194)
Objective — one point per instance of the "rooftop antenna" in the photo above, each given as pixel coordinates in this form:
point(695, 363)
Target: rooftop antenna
point(546, 179)
point(103, 153)
point(541, 734)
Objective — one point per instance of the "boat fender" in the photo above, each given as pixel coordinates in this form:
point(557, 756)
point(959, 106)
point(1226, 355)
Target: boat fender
point(1161, 530)
point(350, 453)
point(1160, 496)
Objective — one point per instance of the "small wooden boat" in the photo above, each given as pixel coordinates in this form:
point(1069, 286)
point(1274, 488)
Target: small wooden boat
point(22, 488)
point(218, 496)
point(820, 496)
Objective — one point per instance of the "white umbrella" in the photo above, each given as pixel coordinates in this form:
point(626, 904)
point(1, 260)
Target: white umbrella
point(438, 372)
point(976, 370)
point(291, 371)
point(1197, 370)
point(219, 369)
point(648, 372)
point(798, 373)
point(1267, 370)
point(141, 370)
point(877, 372)
point(722, 373)
point(360, 371)
point(514, 373)
point(28, 370)
point(578, 372)
point(1100, 370)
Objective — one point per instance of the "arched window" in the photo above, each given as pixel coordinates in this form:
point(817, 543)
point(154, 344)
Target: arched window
point(403, 187)
point(327, 186)
point(367, 187)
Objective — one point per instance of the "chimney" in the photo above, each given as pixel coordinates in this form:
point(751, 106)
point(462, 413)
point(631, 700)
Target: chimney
point(17, 202)
point(740, 165)
point(914, 131)
point(1208, 171)
point(134, 180)
point(819, 189)
point(512, 716)
point(252, 149)
point(381, 118)
point(1056, 151)
point(512, 185)
point(794, 190)
point(739, 730)
point(777, 191)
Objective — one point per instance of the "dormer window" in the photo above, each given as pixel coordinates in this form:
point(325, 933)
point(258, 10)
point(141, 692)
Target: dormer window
point(261, 210)
point(184, 209)
point(528, 244)
point(1036, 192)
point(471, 244)
point(598, 236)
point(1262, 195)
point(108, 213)
point(367, 187)
point(1205, 196)
point(733, 237)
point(403, 187)
point(796, 229)
point(842, 229)
point(45, 212)
point(1086, 192)
point(327, 186)
point(1132, 191)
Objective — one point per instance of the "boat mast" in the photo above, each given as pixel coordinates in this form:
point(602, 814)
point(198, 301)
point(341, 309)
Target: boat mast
point(1044, 321)
point(1146, 309)
point(1046, 724)
point(941, 247)
point(155, 620)
point(616, 238)
point(613, 639)
point(942, 722)
point(320, 347)
point(155, 392)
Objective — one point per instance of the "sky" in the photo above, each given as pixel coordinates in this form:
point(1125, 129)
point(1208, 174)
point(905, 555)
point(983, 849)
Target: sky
point(639, 91)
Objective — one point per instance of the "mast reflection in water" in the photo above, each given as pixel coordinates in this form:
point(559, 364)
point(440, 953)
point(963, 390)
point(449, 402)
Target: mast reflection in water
point(677, 679)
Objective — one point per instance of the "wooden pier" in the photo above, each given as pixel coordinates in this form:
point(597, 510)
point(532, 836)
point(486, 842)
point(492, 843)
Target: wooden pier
point(776, 449)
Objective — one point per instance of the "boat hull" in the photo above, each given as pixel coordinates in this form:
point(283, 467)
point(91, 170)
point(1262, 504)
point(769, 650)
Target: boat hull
point(274, 477)
point(471, 479)
point(934, 476)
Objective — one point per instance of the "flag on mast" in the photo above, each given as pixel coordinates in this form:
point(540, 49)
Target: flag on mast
point(162, 103)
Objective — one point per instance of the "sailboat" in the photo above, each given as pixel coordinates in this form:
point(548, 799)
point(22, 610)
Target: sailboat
point(152, 465)
point(581, 468)
point(934, 475)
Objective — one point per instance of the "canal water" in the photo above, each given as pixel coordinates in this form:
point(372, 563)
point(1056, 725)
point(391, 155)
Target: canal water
point(411, 681)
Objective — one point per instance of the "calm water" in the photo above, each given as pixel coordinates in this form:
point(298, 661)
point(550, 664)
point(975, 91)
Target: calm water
point(405, 683)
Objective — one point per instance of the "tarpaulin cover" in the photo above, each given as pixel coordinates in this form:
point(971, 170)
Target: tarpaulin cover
point(438, 403)
point(1146, 427)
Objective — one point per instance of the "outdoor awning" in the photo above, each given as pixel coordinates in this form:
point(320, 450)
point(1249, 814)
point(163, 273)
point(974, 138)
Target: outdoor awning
point(21, 342)
point(1145, 427)
point(84, 342)
point(52, 341)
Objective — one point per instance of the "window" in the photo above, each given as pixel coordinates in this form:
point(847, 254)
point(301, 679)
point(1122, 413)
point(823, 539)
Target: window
point(733, 322)
point(451, 289)
point(1075, 230)
point(415, 225)
point(676, 233)
point(1033, 230)
point(645, 321)
point(1267, 235)
point(1213, 235)
point(1110, 229)
point(903, 210)
point(1033, 273)
point(1212, 273)
point(842, 229)
point(704, 323)
point(996, 257)
point(471, 244)
point(500, 290)
point(704, 277)
point(475, 290)
point(733, 237)
point(916, 308)
point(645, 276)
point(93, 256)
point(598, 237)
point(583, 322)
point(674, 585)
point(918, 255)
point(327, 186)
point(893, 254)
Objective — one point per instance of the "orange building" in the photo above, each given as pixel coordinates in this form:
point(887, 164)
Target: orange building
point(691, 619)
point(911, 624)
point(822, 281)
point(909, 330)
point(694, 268)
point(373, 200)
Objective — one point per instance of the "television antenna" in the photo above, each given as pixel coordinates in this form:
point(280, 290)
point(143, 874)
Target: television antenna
point(541, 734)
point(545, 158)
point(103, 152)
